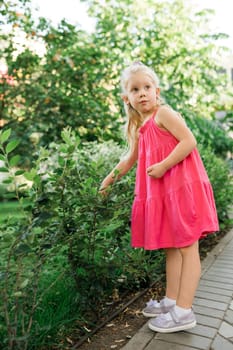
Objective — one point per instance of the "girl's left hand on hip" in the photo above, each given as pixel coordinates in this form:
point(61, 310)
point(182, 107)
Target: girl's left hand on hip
point(156, 170)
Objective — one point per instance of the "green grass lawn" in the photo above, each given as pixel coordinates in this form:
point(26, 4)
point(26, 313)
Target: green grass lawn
point(9, 209)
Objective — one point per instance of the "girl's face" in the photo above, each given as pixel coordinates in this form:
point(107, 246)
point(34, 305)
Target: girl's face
point(142, 94)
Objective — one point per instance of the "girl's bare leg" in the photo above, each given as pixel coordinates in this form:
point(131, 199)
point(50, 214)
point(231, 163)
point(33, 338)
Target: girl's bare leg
point(173, 272)
point(190, 275)
point(183, 274)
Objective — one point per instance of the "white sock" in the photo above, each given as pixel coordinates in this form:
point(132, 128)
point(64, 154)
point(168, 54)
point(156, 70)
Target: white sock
point(180, 311)
point(169, 301)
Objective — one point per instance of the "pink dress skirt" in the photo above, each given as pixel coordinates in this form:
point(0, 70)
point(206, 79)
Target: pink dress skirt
point(177, 209)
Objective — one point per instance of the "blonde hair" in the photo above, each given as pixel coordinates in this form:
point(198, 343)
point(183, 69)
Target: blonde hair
point(134, 119)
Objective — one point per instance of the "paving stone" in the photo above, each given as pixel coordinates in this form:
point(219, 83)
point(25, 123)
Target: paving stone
point(208, 321)
point(211, 304)
point(221, 269)
point(223, 274)
point(219, 279)
point(226, 252)
point(212, 296)
point(226, 255)
point(215, 290)
point(226, 330)
point(205, 282)
point(223, 260)
point(229, 316)
point(218, 271)
point(206, 311)
point(216, 266)
point(231, 305)
point(139, 341)
point(204, 331)
point(161, 345)
point(184, 338)
point(145, 328)
point(226, 268)
point(220, 343)
point(219, 275)
point(223, 263)
point(228, 265)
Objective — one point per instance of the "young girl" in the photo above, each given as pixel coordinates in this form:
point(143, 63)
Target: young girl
point(174, 205)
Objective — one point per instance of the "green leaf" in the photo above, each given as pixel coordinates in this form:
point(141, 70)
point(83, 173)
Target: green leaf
point(29, 175)
point(14, 160)
point(9, 180)
point(2, 157)
point(61, 161)
point(11, 146)
point(37, 179)
point(4, 170)
point(66, 135)
point(24, 283)
point(71, 148)
point(19, 172)
point(23, 185)
point(5, 135)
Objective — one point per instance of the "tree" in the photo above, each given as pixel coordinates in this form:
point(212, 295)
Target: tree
point(76, 82)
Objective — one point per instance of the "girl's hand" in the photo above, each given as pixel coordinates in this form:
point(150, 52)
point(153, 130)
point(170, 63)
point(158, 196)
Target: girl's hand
point(103, 191)
point(156, 170)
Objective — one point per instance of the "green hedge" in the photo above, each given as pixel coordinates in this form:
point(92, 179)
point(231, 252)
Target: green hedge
point(70, 235)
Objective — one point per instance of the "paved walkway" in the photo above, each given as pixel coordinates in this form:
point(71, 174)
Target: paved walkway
point(213, 306)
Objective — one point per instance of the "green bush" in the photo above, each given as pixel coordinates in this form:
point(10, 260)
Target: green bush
point(95, 229)
point(69, 232)
point(212, 134)
point(64, 215)
point(221, 178)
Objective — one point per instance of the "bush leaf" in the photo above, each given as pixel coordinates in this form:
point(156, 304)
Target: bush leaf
point(11, 146)
point(4, 170)
point(14, 160)
point(19, 172)
point(5, 135)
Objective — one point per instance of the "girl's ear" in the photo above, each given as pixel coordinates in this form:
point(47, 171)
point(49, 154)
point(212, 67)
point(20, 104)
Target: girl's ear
point(157, 91)
point(125, 99)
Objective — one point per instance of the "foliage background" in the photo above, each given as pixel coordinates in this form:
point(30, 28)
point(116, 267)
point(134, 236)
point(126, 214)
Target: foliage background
point(76, 82)
point(63, 131)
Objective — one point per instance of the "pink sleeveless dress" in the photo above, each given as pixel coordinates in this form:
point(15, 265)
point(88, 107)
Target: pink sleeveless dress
point(177, 209)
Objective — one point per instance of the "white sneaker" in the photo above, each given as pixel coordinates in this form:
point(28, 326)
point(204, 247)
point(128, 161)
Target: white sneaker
point(170, 322)
point(154, 308)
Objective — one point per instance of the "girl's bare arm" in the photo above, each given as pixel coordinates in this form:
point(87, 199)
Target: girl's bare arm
point(121, 168)
point(172, 122)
